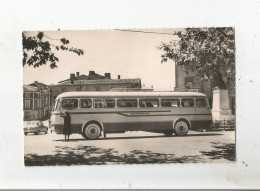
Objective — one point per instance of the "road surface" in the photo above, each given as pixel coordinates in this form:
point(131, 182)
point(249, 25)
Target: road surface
point(130, 148)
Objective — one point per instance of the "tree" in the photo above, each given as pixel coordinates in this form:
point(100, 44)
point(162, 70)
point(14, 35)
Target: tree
point(37, 50)
point(210, 52)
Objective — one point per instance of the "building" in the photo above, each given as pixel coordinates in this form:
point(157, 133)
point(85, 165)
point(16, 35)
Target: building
point(132, 90)
point(188, 80)
point(36, 101)
point(92, 82)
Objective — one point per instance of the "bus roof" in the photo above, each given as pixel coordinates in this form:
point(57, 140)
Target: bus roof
point(126, 94)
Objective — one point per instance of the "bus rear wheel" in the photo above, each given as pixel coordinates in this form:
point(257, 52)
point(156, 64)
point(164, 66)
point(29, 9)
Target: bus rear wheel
point(91, 131)
point(181, 128)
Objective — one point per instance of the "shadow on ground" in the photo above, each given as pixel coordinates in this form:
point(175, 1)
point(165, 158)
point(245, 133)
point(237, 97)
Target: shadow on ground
point(222, 151)
point(89, 155)
point(144, 137)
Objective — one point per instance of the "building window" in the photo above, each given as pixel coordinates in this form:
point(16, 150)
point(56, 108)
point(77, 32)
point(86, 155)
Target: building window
point(27, 95)
point(189, 81)
point(39, 103)
point(27, 104)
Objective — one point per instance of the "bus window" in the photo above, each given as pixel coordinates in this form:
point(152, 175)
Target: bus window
point(170, 103)
point(110, 103)
point(149, 102)
point(98, 103)
point(69, 103)
point(187, 102)
point(201, 103)
point(85, 103)
point(126, 103)
point(104, 103)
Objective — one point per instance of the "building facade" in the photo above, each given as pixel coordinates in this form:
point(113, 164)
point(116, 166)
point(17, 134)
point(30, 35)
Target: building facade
point(36, 101)
point(190, 81)
point(92, 82)
point(38, 98)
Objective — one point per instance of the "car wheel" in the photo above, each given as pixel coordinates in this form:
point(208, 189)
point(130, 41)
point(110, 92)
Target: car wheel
point(92, 131)
point(25, 133)
point(168, 133)
point(181, 128)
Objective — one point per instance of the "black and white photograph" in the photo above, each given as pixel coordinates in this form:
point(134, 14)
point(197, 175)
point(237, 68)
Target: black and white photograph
point(151, 94)
point(128, 96)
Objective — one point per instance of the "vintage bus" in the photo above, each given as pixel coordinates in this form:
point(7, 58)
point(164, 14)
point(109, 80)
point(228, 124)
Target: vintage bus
point(96, 113)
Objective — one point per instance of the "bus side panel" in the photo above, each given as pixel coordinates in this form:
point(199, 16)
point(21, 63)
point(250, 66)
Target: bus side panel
point(137, 126)
point(154, 120)
point(137, 120)
point(203, 118)
point(75, 128)
point(121, 120)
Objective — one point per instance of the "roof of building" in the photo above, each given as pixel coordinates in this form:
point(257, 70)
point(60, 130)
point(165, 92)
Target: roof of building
point(29, 88)
point(127, 94)
point(38, 85)
point(92, 76)
point(103, 81)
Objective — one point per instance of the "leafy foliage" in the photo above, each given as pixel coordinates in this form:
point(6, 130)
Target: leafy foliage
point(37, 50)
point(210, 52)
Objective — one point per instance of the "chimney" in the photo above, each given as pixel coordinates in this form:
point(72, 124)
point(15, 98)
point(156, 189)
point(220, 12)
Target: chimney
point(107, 76)
point(77, 74)
point(91, 73)
point(72, 77)
point(118, 77)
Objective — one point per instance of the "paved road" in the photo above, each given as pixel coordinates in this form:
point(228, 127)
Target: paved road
point(130, 148)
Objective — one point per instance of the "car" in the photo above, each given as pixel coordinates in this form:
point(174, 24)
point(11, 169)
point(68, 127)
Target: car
point(35, 127)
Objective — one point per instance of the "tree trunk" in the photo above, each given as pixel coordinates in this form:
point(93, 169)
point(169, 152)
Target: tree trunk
point(218, 81)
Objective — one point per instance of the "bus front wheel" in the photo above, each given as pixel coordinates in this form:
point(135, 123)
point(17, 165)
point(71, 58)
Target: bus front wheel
point(181, 128)
point(91, 131)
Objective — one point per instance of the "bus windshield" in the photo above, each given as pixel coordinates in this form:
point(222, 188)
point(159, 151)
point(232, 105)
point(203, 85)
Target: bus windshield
point(57, 105)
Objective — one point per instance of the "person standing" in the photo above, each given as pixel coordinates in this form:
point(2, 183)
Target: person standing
point(66, 125)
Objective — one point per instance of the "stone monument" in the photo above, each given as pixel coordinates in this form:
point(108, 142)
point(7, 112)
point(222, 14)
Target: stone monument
point(220, 107)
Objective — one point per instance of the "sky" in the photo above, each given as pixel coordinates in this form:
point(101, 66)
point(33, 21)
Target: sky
point(124, 53)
